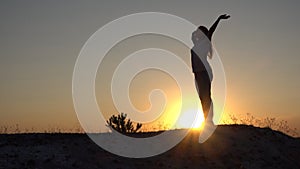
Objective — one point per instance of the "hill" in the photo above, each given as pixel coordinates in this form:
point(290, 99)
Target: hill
point(231, 146)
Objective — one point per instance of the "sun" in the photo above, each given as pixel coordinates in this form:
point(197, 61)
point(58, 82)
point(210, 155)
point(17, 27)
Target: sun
point(199, 121)
point(189, 116)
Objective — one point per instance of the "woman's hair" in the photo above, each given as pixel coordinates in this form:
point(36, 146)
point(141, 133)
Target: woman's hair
point(195, 38)
point(204, 30)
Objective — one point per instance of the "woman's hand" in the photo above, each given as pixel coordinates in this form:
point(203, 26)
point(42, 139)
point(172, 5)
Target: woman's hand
point(214, 26)
point(225, 16)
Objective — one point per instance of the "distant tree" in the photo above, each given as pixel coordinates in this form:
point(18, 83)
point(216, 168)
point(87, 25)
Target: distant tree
point(123, 125)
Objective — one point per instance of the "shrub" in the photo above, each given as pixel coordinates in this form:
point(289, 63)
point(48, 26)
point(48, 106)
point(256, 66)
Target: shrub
point(123, 125)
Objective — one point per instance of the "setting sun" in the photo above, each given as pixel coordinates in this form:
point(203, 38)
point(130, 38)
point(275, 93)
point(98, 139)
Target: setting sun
point(187, 117)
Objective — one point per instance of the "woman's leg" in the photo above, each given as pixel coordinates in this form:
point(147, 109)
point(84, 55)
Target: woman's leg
point(204, 90)
point(204, 87)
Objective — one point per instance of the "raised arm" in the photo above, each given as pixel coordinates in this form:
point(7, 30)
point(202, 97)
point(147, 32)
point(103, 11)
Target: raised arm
point(214, 26)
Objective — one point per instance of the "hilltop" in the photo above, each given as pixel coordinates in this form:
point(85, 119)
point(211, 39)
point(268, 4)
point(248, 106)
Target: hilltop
point(231, 146)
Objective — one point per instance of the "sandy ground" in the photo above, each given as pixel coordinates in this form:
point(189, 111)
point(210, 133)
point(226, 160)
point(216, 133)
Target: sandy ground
point(231, 146)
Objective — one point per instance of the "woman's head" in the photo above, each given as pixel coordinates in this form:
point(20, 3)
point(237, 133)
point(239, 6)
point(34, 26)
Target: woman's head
point(203, 29)
point(200, 37)
point(199, 34)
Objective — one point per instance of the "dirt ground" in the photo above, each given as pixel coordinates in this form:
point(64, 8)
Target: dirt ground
point(231, 146)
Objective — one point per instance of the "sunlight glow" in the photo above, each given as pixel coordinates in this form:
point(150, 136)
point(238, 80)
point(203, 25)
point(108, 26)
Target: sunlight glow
point(199, 120)
point(188, 116)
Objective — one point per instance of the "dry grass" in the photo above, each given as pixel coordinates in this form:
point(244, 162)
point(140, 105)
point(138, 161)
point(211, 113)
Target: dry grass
point(269, 122)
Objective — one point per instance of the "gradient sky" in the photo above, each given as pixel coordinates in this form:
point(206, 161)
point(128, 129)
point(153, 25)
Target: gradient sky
point(40, 42)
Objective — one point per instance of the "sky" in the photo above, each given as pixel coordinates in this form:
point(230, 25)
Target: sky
point(40, 42)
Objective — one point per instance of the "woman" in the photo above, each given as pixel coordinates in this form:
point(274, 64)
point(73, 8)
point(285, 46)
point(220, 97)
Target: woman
point(201, 68)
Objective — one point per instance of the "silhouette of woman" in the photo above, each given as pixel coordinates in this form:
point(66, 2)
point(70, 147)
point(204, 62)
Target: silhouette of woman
point(202, 71)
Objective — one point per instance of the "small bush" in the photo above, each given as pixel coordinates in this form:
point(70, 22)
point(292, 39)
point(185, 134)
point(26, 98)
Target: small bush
point(123, 125)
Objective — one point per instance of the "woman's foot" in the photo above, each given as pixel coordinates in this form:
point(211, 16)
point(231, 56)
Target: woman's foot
point(208, 129)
